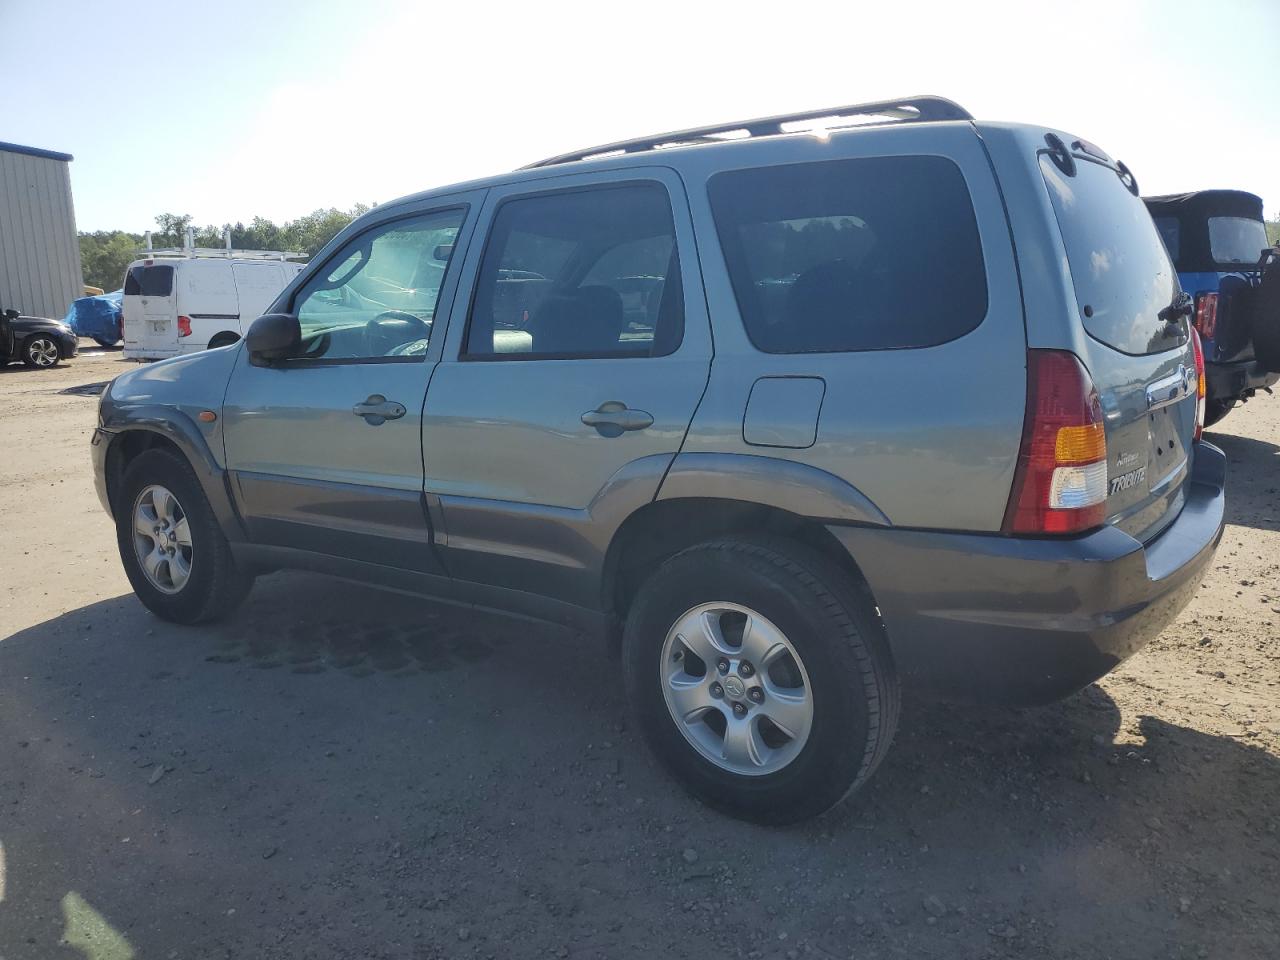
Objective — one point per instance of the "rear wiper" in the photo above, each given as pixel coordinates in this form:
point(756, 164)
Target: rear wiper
point(1182, 306)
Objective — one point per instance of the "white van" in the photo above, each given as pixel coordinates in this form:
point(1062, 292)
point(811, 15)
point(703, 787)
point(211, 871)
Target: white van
point(190, 301)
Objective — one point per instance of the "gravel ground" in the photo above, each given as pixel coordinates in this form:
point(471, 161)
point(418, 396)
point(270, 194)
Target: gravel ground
point(338, 772)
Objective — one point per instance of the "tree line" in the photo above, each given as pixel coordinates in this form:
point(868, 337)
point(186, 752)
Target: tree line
point(105, 254)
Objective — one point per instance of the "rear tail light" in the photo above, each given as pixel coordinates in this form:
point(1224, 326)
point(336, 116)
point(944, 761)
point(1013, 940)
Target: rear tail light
point(1060, 485)
point(1198, 349)
point(184, 326)
point(1206, 314)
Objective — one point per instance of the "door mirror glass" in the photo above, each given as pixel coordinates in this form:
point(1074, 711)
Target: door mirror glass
point(273, 337)
point(11, 314)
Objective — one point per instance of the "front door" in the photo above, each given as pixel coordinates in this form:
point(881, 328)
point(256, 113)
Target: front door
point(325, 449)
point(564, 397)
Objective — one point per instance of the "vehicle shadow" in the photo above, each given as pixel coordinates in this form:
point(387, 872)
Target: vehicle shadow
point(1253, 480)
point(336, 767)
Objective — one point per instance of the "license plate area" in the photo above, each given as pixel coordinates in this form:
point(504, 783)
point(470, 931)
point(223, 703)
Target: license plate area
point(1168, 456)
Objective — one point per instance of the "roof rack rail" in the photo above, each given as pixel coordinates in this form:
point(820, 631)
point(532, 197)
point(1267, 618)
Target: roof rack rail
point(217, 253)
point(190, 251)
point(905, 110)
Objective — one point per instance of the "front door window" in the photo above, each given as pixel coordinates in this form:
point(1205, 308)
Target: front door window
point(379, 298)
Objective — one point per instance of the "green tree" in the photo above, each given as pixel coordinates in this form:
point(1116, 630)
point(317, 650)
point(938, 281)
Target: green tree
point(106, 253)
point(1273, 231)
point(173, 229)
point(104, 256)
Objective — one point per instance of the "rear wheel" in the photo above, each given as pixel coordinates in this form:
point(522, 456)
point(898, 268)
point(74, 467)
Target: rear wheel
point(1215, 410)
point(41, 352)
point(170, 543)
point(104, 342)
point(760, 677)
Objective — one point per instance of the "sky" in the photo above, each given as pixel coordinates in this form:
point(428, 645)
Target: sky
point(275, 108)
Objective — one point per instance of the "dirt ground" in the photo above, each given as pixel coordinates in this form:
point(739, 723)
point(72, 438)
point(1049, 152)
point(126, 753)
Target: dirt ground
point(339, 772)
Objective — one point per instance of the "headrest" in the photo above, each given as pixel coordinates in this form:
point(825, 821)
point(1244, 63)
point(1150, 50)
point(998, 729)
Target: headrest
point(586, 320)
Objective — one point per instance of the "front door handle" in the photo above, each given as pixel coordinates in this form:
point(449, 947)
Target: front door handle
point(612, 419)
point(377, 410)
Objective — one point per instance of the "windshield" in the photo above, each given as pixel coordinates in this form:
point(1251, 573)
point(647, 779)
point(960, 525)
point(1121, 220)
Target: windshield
point(1120, 269)
point(1237, 239)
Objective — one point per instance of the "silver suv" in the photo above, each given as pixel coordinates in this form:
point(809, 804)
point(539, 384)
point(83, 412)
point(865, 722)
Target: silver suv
point(801, 408)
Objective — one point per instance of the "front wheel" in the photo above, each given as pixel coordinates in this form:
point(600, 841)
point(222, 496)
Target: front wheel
point(172, 548)
point(40, 352)
point(760, 676)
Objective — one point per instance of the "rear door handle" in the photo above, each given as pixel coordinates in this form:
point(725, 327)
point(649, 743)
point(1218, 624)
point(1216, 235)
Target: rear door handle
point(612, 419)
point(377, 410)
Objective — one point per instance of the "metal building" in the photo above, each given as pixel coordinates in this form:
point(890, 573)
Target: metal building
point(39, 251)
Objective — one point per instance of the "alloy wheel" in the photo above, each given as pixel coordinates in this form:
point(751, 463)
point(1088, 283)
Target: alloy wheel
point(736, 688)
point(162, 539)
point(43, 352)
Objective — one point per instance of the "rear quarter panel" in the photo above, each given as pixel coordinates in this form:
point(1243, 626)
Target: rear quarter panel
point(930, 436)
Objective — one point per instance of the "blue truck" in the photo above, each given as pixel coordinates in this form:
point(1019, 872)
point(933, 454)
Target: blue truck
point(1218, 242)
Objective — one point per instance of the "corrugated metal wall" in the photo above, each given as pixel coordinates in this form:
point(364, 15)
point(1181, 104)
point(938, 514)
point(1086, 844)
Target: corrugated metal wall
point(39, 250)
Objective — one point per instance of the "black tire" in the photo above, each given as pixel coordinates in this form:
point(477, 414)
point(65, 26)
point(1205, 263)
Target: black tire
point(834, 628)
point(1215, 410)
point(37, 346)
point(216, 586)
point(1264, 319)
point(103, 342)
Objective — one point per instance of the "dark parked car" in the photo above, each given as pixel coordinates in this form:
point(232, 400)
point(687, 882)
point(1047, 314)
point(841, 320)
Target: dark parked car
point(1218, 242)
point(36, 341)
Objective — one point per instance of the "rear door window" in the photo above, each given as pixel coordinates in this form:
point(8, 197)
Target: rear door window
point(880, 253)
point(149, 281)
point(584, 273)
point(1120, 268)
point(1237, 240)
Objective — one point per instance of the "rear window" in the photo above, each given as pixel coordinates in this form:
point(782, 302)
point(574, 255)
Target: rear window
point(880, 253)
point(1237, 239)
point(1120, 269)
point(154, 281)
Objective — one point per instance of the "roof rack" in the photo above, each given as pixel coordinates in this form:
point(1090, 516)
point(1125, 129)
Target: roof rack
point(190, 251)
point(906, 110)
point(219, 253)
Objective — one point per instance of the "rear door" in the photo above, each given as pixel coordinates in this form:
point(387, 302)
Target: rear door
point(257, 285)
point(1143, 366)
point(572, 383)
point(150, 311)
point(206, 296)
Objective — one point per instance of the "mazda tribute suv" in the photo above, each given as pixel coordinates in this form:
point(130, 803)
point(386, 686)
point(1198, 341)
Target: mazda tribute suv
point(797, 410)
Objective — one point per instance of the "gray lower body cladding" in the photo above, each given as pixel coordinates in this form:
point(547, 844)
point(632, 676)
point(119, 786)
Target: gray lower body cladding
point(1026, 621)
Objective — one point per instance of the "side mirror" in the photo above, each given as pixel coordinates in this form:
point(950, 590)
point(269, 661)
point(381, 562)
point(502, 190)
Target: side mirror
point(443, 252)
point(273, 337)
point(11, 314)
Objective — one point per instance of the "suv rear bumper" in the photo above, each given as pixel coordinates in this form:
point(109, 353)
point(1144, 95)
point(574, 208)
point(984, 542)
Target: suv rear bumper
point(1226, 381)
point(1025, 621)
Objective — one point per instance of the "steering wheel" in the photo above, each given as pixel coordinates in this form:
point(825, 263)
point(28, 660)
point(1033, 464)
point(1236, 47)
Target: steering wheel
point(391, 329)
